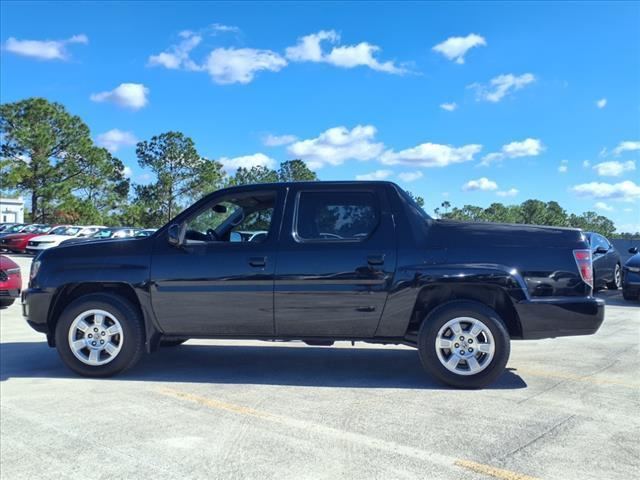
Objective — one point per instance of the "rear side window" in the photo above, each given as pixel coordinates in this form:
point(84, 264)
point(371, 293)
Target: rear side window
point(336, 216)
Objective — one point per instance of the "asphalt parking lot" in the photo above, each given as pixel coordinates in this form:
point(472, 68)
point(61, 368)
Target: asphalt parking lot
point(567, 408)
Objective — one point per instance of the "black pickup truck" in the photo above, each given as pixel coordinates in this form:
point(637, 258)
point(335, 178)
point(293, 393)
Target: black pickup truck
point(317, 262)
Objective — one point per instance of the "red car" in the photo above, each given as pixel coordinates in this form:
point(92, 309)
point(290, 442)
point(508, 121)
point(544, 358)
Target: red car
point(17, 242)
point(10, 281)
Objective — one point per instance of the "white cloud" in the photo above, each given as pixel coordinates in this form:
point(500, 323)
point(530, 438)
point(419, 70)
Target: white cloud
point(309, 49)
point(530, 147)
point(177, 56)
point(239, 65)
point(604, 206)
point(586, 164)
point(601, 103)
point(455, 48)
point(512, 192)
point(449, 107)
point(336, 145)
point(247, 161)
point(501, 86)
point(410, 176)
point(219, 27)
point(377, 175)
point(127, 171)
point(627, 146)
point(129, 95)
point(483, 184)
point(115, 139)
point(564, 166)
point(625, 191)
point(431, 155)
point(278, 140)
point(614, 168)
point(43, 49)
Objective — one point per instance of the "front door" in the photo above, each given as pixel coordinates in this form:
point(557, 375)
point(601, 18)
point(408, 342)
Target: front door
point(336, 261)
point(220, 280)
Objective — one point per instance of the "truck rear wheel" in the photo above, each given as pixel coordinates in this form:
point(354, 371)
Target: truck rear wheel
point(464, 344)
point(99, 335)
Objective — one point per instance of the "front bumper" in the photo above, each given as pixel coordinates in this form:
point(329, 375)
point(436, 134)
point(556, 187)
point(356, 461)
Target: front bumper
point(35, 307)
point(560, 317)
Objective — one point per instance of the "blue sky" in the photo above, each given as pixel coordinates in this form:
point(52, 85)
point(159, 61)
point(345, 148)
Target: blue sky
point(470, 103)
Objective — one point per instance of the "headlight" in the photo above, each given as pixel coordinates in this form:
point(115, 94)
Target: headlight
point(13, 271)
point(35, 266)
point(634, 269)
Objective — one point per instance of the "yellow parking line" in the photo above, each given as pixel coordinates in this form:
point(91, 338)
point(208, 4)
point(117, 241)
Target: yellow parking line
point(208, 402)
point(492, 471)
point(358, 438)
point(576, 378)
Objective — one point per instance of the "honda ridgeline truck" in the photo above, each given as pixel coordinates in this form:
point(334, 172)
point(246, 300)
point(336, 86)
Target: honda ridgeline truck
point(317, 262)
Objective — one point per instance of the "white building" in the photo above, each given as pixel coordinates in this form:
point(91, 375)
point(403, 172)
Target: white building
point(12, 210)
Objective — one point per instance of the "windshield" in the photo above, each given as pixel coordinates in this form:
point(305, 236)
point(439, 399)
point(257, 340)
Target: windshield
point(42, 229)
point(14, 229)
point(104, 233)
point(71, 231)
point(58, 231)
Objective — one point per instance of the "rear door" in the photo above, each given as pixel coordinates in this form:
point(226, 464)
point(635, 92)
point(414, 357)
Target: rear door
point(336, 262)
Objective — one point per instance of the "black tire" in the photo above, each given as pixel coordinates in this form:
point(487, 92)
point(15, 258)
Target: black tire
point(463, 308)
point(4, 303)
point(174, 342)
point(132, 338)
point(614, 285)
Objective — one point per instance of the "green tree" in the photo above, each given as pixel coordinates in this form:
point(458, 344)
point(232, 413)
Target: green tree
point(296, 171)
point(253, 175)
point(592, 222)
point(47, 154)
point(418, 199)
point(181, 175)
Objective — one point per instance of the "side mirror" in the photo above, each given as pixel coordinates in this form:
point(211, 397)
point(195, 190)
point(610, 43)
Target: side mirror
point(600, 250)
point(173, 235)
point(633, 250)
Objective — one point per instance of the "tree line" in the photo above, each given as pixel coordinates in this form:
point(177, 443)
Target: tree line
point(48, 155)
point(534, 212)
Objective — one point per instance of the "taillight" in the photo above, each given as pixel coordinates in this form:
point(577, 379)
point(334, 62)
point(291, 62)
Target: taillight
point(583, 260)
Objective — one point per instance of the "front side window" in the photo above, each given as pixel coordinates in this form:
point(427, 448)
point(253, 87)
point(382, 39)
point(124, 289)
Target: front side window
point(239, 218)
point(336, 216)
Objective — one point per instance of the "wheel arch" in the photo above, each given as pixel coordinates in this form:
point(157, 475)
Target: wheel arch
point(432, 296)
point(67, 293)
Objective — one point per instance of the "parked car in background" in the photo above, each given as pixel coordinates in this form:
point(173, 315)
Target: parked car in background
point(17, 242)
point(631, 276)
point(44, 242)
point(17, 228)
point(147, 232)
point(357, 261)
point(607, 270)
point(10, 281)
point(4, 226)
point(103, 234)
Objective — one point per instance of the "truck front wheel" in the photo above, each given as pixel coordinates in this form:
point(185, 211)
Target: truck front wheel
point(464, 344)
point(99, 335)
